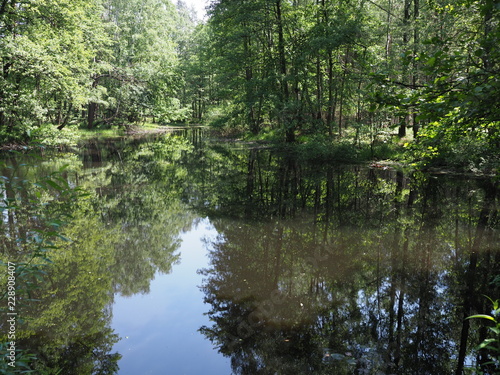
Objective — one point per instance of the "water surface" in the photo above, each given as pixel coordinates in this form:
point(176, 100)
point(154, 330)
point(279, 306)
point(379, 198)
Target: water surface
point(195, 257)
point(160, 330)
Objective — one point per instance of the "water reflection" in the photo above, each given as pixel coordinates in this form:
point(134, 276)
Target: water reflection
point(159, 329)
point(351, 270)
point(122, 233)
point(315, 269)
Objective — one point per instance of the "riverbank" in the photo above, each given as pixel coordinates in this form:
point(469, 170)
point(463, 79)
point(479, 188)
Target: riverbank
point(48, 137)
point(384, 149)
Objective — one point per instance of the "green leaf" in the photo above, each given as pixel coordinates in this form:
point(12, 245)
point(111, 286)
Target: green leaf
point(63, 168)
point(54, 185)
point(482, 316)
point(495, 330)
point(65, 239)
point(431, 61)
point(486, 343)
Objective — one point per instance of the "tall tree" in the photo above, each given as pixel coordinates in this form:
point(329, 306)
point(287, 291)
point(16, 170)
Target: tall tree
point(47, 53)
point(141, 81)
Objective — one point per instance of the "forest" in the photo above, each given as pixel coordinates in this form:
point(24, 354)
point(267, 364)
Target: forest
point(328, 170)
point(328, 75)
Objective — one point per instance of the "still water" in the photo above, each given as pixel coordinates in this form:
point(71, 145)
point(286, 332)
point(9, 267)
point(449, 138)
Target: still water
point(160, 329)
point(176, 255)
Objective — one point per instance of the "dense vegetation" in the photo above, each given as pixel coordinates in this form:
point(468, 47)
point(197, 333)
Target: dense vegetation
point(342, 80)
point(318, 71)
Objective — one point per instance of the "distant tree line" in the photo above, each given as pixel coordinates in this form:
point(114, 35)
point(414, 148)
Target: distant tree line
point(426, 70)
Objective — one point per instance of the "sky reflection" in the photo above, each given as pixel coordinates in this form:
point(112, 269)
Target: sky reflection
point(159, 330)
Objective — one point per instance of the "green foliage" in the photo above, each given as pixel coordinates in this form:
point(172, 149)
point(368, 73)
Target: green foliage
point(142, 81)
point(491, 344)
point(46, 52)
point(321, 150)
point(453, 95)
point(169, 110)
point(68, 62)
point(49, 136)
point(285, 64)
point(23, 360)
point(447, 144)
point(289, 69)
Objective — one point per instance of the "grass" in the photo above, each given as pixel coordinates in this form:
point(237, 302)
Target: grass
point(97, 133)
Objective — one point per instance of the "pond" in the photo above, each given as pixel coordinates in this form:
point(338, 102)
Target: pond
point(180, 254)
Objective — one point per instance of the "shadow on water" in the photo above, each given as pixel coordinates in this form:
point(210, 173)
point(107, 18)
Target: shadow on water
point(317, 269)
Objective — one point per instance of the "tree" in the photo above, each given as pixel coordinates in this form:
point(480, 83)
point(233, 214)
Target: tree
point(141, 81)
point(454, 96)
point(46, 50)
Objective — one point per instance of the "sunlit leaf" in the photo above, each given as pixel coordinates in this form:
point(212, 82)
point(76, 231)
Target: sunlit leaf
point(481, 316)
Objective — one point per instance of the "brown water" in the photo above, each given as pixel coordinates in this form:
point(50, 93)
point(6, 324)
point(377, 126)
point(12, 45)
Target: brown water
point(300, 268)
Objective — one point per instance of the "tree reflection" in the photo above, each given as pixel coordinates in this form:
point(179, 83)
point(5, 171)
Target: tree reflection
point(352, 270)
point(121, 234)
point(317, 268)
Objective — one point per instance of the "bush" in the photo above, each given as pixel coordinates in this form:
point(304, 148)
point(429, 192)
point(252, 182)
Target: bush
point(320, 149)
point(49, 136)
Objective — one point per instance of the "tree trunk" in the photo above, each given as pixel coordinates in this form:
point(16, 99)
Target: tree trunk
point(406, 40)
point(332, 99)
point(254, 128)
point(319, 89)
point(66, 117)
point(416, 39)
point(342, 86)
point(91, 113)
point(290, 128)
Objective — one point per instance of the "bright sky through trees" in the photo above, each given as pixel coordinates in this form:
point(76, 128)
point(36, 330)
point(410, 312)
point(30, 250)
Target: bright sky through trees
point(199, 6)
